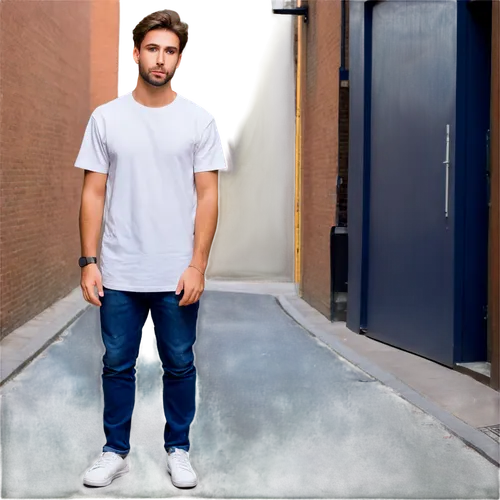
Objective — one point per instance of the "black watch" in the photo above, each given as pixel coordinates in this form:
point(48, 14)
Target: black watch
point(85, 261)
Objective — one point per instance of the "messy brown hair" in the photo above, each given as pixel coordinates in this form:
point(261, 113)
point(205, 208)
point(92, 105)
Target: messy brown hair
point(163, 19)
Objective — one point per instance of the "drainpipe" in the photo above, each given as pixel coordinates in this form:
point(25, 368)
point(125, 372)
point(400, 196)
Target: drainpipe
point(298, 154)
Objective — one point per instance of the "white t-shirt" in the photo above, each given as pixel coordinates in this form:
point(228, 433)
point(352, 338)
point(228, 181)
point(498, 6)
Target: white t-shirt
point(150, 156)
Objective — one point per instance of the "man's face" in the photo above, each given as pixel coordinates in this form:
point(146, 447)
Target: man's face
point(159, 57)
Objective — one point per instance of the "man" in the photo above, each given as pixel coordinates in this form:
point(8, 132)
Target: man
point(151, 159)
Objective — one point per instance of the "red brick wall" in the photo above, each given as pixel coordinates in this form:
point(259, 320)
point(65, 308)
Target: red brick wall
point(320, 149)
point(48, 86)
point(104, 30)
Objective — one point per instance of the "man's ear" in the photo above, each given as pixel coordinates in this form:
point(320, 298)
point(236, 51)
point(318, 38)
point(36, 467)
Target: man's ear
point(178, 61)
point(135, 55)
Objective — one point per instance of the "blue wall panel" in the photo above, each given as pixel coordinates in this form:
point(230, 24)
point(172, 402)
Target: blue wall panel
point(410, 240)
point(418, 57)
point(471, 230)
point(356, 159)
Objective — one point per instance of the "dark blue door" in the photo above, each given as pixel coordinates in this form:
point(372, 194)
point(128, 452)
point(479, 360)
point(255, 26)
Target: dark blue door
point(413, 284)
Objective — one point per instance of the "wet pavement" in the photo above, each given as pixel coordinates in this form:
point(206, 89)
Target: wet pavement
point(280, 415)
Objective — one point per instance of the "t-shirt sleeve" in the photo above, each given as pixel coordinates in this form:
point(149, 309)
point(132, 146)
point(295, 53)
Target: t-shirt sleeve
point(93, 153)
point(209, 154)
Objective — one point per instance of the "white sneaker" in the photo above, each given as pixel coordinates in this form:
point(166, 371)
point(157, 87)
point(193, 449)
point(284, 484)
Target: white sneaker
point(179, 467)
point(109, 466)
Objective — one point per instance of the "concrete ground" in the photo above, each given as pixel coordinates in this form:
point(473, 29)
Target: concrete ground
point(281, 414)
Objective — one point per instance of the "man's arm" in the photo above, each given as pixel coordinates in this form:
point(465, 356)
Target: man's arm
point(206, 217)
point(91, 215)
point(208, 160)
point(91, 211)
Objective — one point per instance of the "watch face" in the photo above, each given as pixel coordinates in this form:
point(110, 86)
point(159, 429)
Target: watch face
point(83, 261)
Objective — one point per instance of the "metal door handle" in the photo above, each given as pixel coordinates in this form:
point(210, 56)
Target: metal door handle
point(447, 163)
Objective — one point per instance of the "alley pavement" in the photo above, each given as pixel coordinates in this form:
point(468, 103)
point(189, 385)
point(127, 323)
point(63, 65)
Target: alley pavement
point(280, 415)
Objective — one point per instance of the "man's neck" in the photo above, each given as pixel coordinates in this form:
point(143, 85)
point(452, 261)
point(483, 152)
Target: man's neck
point(153, 97)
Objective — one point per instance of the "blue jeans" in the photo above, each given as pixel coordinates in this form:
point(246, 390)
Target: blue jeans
point(123, 315)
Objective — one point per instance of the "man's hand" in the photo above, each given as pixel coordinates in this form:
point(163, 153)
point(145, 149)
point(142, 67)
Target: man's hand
point(91, 277)
point(193, 284)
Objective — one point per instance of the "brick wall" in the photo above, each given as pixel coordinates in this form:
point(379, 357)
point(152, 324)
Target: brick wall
point(343, 156)
point(104, 28)
point(344, 134)
point(48, 86)
point(320, 149)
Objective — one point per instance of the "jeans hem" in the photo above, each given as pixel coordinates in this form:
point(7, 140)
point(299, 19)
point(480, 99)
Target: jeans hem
point(185, 447)
point(114, 450)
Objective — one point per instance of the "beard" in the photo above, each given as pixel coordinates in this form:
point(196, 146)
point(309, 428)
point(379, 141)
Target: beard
point(156, 81)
